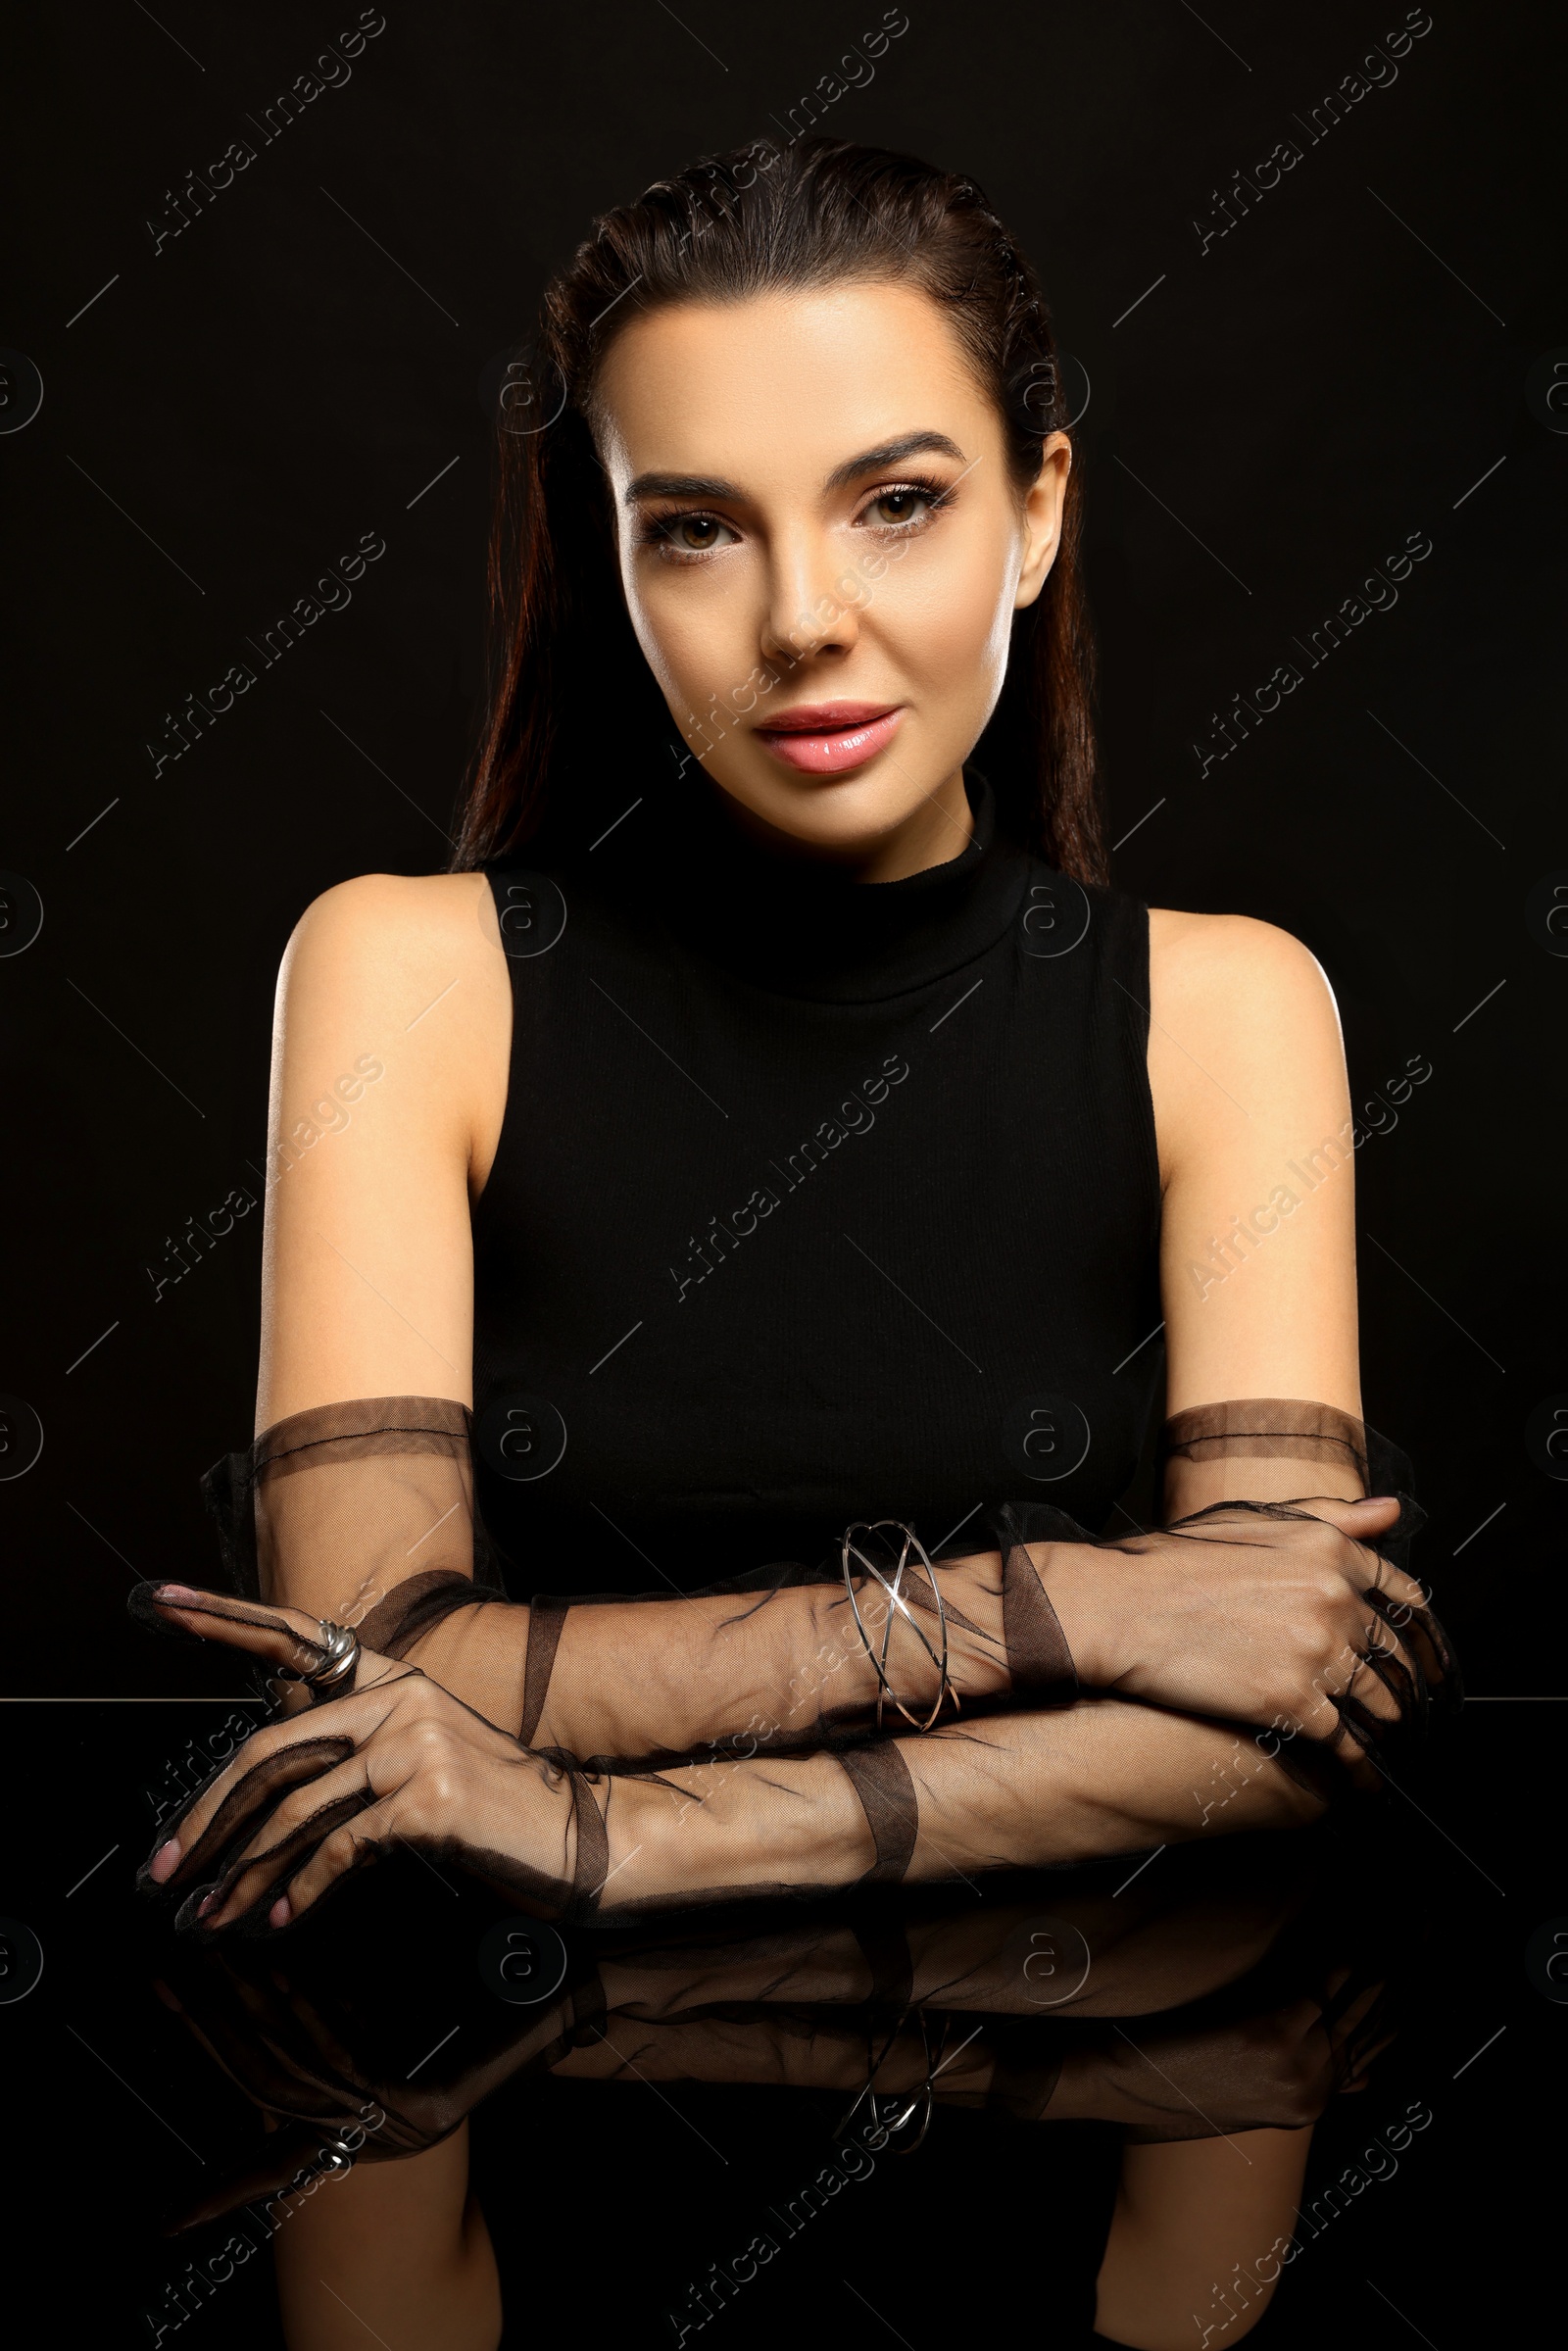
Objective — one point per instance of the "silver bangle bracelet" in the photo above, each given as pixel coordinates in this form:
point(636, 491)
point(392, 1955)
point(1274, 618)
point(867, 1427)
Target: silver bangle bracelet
point(912, 1558)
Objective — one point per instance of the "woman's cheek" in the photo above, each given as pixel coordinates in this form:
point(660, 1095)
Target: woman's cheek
point(693, 635)
point(953, 627)
point(660, 641)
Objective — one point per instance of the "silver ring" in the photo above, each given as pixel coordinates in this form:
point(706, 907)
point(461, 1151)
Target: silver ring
point(336, 1671)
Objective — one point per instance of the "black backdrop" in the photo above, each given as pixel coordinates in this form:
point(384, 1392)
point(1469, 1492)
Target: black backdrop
point(1365, 355)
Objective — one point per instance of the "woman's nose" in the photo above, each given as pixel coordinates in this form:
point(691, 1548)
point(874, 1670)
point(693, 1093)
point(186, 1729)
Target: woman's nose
point(811, 609)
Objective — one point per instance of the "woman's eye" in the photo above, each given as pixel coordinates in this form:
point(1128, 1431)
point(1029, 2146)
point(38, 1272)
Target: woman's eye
point(902, 508)
point(691, 535)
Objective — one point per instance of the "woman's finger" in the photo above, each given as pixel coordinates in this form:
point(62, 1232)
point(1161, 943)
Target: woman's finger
point(1348, 1679)
point(311, 2042)
point(1366, 1514)
point(269, 1762)
point(287, 1637)
point(1351, 1745)
point(367, 1838)
point(1344, 2028)
point(291, 1831)
point(1424, 1639)
point(1396, 1587)
point(1363, 2061)
point(1402, 1687)
point(1385, 1682)
point(1364, 1523)
point(243, 2040)
point(350, 1776)
point(271, 2040)
point(1353, 1753)
point(190, 1853)
point(1324, 1724)
point(1361, 2031)
point(1375, 1665)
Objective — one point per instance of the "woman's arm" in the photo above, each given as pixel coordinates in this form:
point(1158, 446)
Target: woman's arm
point(1257, 1269)
point(1262, 1029)
point(396, 2251)
point(1253, 1114)
point(1188, 2215)
point(391, 1039)
point(400, 1761)
point(1258, 1280)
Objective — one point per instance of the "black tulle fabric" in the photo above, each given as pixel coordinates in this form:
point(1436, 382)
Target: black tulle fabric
point(1233, 1991)
point(368, 1485)
point(751, 1703)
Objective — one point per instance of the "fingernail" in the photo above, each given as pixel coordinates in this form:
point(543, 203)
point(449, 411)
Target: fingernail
point(281, 1913)
point(206, 1903)
point(179, 1594)
point(165, 1861)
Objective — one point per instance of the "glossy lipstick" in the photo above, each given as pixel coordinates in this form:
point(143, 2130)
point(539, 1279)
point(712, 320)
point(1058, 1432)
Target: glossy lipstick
point(830, 738)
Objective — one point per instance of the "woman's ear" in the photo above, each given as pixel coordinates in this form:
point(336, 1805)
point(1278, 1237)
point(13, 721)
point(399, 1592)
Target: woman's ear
point(1043, 509)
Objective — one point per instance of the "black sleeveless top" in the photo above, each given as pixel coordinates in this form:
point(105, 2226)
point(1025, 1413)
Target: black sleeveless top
point(815, 1199)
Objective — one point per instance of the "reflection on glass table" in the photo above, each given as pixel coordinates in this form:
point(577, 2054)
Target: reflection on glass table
point(1206, 2012)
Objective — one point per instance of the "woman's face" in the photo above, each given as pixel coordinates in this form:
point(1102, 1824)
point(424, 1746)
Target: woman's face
point(822, 550)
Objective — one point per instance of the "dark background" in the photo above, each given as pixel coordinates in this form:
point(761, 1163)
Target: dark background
point(223, 419)
point(1362, 357)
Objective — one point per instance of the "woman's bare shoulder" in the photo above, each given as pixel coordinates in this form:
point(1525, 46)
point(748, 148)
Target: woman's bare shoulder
point(1242, 1017)
point(382, 935)
point(1236, 973)
point(391, 913)
point(410, 965)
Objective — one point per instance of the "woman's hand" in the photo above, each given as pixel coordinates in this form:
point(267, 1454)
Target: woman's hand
point(1277, 2070)
point(327, 2093)
point(398, 1761)
point(1287, 1621)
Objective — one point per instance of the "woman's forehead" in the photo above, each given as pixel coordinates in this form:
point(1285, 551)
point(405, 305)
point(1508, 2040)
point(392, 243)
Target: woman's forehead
point(809, 376)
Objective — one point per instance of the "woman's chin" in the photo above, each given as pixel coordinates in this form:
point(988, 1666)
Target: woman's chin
point(851, 815)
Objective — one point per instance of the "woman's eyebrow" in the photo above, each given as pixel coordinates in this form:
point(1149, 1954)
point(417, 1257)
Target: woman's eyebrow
point(869, 461)
point(893, 453)
point(679, 486)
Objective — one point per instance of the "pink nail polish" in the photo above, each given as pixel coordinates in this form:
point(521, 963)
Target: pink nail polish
point(165, 1861)
point(281, 1913)
point(206, 1903)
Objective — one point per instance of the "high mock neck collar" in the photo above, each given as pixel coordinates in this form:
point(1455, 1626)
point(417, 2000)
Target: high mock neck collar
point(806, 930)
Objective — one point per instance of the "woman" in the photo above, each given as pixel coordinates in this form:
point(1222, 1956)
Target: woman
point(795, 1132)
point(634, 1089)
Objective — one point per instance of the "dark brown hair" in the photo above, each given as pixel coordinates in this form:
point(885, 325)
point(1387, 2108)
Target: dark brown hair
point(761, 218)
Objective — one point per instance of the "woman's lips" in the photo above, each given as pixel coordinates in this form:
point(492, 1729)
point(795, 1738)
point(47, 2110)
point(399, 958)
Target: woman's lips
point(831, 741)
